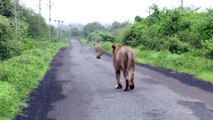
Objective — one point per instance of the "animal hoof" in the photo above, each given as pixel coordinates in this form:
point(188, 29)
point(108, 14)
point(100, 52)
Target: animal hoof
point(126, 89)
point(118, 86)
point(132, 87)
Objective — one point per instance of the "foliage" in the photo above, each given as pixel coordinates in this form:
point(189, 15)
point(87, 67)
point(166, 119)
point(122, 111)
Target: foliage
point(117, 25)
point(107, 37)
point(138, 19)
point(9, 100)
point(179, 30)
point(37, 27)
point(6, 8)
point(23, 59)
point(208, 48)
point(15, 79)
point(92, 27)
point(94, 36)
point(6, 38)
point(75, 32)
point(184, 63)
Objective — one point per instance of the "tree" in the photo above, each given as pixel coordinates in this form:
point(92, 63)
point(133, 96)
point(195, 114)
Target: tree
point(36, 28)
point(117, 25)
point(6, 38)
point(75, 32)
point(138, 19)
point(91, 27)
point(6, 8)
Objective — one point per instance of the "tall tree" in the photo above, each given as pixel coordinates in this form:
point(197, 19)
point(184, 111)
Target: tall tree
point(6, 8)
point(91, 27)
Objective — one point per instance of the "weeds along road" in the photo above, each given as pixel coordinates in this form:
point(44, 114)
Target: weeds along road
point(80, 87)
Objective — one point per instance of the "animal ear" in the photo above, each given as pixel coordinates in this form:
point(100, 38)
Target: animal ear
point(113, 46)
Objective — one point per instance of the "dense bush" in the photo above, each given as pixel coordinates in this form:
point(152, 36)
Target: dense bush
point(25, 53)
point(9, 100)
point(107, 37)
point(179, 30)
point(6, 38)
point(94, 36)
point(6, 8)
point(20, 75)
point(92, 27)
point(37, 27)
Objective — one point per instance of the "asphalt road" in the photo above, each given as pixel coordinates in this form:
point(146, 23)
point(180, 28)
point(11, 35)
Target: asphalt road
point(79, 87)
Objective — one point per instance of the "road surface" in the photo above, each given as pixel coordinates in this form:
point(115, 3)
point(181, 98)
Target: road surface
point(79, 87)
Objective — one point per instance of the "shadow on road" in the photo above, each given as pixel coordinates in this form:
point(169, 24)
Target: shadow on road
point(48, 92)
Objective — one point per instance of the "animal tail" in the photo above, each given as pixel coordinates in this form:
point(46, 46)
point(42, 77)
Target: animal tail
point(129, 64)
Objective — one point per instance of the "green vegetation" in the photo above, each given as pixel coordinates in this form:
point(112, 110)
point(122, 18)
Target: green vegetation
point(20, 75)
point(25, 53)
point(178, 31)
point(201, 68)
point(180, 39)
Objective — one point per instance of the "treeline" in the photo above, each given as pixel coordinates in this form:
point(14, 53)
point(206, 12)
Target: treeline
point(29, 26)
point(97, 32)
point(179, 30)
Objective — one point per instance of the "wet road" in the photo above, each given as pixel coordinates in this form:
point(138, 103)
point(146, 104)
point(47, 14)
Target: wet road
point(80, 87)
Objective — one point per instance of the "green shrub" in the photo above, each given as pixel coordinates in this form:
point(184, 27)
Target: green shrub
point(6, 38)
point(10, 102)
point(107, 37)
point(23, 73)
point(208, 48)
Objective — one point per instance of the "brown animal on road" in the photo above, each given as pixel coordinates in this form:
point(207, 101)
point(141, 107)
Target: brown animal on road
point(124, 60)
point(98, 51)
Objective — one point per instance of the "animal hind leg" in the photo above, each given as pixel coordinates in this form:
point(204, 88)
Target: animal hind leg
point(132, 86)
point(118, 74)
point(127, 85)
point(127, 81)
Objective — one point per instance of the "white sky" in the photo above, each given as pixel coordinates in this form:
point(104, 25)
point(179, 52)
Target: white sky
point(105, 11)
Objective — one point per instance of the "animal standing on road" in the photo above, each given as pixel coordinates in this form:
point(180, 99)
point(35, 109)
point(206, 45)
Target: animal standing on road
point(98, 51)
point(124, 60)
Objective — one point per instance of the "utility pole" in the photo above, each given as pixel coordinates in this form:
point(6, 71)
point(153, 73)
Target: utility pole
point(50, 6)
point(181, 3)
point(39, 10)
point(61, 28)
point(149, 11)
point(59, 25)
point(16, 4)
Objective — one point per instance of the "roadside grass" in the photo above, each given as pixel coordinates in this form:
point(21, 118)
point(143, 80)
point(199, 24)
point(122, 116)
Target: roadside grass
point(85, 42)
point(199, 67)
point(21, 74)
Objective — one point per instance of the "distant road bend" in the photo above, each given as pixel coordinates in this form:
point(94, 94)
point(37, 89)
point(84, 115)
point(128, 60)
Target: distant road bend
point(80, 87)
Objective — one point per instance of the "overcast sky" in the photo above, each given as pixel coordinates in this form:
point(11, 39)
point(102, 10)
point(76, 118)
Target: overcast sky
point(105, 11)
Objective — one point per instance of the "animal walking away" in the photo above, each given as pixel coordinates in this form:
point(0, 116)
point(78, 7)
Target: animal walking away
point(124, 61)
